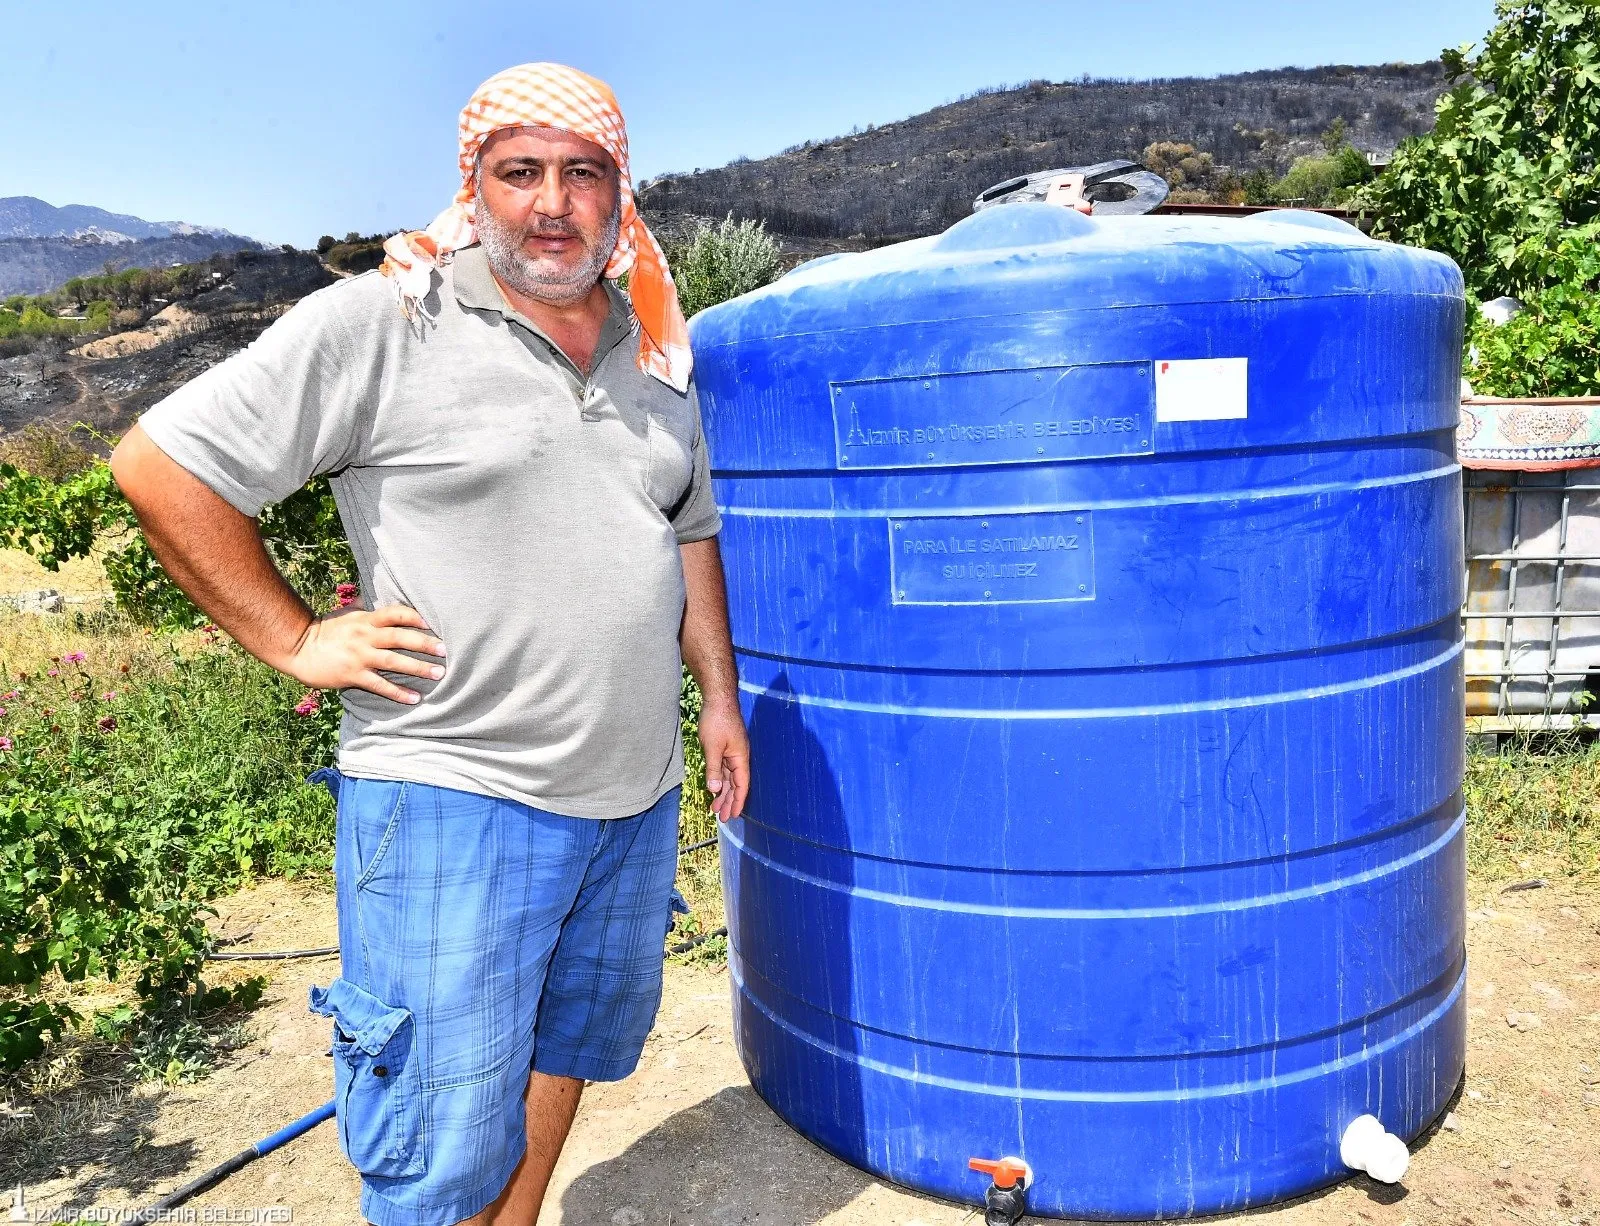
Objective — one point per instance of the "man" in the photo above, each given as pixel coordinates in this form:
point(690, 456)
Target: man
point(520, 469)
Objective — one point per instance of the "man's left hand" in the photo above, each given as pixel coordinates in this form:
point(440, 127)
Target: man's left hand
point(727, 752)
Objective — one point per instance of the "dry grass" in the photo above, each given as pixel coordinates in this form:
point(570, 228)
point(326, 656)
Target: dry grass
point(31, 643)
point(700, 883)
point(1533, 809)
point(79, 577)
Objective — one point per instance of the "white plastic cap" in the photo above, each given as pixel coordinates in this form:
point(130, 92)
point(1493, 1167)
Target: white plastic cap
point(1368, 1146)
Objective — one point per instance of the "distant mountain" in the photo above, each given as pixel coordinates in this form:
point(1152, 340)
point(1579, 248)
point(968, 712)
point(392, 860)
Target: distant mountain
point(30, 217)
point(919, 175)
point(38, 265)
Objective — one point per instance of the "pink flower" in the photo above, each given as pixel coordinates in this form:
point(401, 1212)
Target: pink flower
point(346, 594)
point(55, 672)
point(10, 696)
point(2, 710)
point(5, 743)
point(107, 723)
point(108, 696)
point(309, 705)
point(74, 657)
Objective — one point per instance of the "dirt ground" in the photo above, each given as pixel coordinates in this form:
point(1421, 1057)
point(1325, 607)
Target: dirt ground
point(686, 1142)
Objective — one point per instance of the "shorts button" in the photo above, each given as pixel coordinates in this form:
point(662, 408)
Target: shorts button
point(381, 1070)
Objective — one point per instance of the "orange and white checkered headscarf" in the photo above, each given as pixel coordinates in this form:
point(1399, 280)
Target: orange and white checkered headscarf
point(555, 96)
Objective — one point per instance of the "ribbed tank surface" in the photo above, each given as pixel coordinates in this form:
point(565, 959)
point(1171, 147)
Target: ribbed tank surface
point(1096, 587)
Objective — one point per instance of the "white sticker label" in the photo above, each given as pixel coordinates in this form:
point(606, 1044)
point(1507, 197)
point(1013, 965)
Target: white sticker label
point(1202, 389)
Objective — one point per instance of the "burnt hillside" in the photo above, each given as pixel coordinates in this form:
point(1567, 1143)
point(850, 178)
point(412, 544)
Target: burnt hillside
point(919, 175)
point(106, 382)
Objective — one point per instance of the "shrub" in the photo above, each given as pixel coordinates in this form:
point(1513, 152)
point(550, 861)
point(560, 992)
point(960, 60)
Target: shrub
point(1178, 163)
point(49, 451)
point(1311, 181)
point(354, 257)
point(57, 520)
point(722, 261)
point(1322, 180)
point(126, 802)
point(355, 253)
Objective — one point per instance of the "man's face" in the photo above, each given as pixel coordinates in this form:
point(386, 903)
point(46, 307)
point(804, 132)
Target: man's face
point(547, 212)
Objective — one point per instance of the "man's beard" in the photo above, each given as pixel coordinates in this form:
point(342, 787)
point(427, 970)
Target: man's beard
point(544, 277)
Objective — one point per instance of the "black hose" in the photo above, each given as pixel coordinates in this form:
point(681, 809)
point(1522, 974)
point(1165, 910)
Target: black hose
point(277, 955)
point(683, 851)
point(209, 1180)
point(241, 1159)
point(696, 942)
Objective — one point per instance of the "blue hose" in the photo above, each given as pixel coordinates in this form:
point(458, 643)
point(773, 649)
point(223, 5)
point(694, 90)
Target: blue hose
point(289, 1132)
point(242, 1159)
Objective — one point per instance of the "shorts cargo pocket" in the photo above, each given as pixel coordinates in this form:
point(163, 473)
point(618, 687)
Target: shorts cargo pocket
point(377, 1080)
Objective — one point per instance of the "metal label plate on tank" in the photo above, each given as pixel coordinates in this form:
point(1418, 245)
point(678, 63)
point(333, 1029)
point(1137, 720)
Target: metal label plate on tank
point(1033, 558)
point(995, 416)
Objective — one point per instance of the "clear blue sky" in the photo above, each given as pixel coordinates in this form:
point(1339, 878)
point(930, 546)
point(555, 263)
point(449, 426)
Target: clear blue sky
point(293, 119)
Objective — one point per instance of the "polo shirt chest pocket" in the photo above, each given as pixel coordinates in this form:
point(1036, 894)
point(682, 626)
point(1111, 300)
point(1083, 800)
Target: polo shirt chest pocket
point(670, 464)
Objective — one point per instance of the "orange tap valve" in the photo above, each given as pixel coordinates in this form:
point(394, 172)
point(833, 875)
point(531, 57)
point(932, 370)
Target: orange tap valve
point(1006, 1172)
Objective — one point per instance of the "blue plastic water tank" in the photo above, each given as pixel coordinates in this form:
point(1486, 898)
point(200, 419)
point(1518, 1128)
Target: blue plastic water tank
point(1095, 585)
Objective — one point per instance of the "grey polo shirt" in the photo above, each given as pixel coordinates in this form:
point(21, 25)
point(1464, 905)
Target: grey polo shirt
point(531, 515)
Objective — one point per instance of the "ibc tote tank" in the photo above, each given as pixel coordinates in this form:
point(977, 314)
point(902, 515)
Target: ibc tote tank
point(1096, 588)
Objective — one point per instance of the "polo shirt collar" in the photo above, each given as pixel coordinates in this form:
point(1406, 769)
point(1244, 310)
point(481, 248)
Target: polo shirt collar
point(476, 289)
point(474, 284)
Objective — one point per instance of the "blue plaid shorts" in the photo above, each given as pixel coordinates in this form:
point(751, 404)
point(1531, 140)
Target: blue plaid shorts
point(478, 938)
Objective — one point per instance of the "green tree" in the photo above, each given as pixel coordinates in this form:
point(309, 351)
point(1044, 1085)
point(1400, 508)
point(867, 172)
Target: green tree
point(1511, 165)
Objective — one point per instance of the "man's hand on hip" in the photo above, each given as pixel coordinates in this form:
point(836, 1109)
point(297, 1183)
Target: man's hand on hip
point(727, 753)
point(349, 648)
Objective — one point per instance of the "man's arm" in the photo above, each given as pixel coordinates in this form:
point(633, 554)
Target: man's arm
point(708, 651)
point(214, 553)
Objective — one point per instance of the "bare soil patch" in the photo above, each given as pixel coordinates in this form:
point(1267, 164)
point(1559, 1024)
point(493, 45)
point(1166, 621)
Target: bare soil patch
point(163, 326)
point(685, 1141)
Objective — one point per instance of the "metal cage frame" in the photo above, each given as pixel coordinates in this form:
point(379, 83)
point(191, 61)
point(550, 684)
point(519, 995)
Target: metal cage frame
point(1548, 718)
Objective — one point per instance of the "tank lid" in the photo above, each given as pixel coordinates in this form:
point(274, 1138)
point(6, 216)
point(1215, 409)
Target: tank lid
point(1021, 224)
